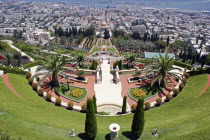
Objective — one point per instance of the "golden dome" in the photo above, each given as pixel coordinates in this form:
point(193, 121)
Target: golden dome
point(103, 23)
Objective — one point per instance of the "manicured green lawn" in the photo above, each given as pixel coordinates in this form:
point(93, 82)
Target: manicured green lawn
point(69, 95)
point(96, 49)
point(111, 49)
point(185, 117)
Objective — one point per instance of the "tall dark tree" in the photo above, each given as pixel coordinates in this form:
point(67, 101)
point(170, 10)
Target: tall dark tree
point(106, 34)
point(138, 119)
point(95, 104)
point(136, 35)
point(19, 59)
point(90, 121)
point(168, 39)
point(124, 107)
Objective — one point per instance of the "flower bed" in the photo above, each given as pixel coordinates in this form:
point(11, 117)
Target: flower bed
point(76, 94)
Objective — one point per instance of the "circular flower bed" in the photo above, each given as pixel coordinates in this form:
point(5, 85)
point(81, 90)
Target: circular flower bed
point(77, 93)
point(138, 92)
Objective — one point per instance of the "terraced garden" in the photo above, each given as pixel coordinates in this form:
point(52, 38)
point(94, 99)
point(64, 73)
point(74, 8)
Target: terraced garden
point(185, 117)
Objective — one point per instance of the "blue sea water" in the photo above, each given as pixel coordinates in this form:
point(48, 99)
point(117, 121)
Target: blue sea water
point(181, 4)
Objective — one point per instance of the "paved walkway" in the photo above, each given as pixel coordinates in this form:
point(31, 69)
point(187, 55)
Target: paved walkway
point(107, 92)
point(206, 87)
point(8, 85)
point(9, 42)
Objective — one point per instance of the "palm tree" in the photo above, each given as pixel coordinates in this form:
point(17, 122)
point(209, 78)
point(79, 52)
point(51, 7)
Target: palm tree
point(162, 71)
point(80, 59)
point(52, 68)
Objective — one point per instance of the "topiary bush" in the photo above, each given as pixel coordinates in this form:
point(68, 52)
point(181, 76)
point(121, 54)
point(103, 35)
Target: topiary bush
point(58, 101)
point(181, 86)
point(176, 91)
point(133, 107)
point(34, 86)
point(84, 107)
point(37, 79)
point(184, 81)
point(48, 97)
point(40, 92)
point(28, 75)
point(168, 97)
point(186, 75)
point(30, 81)
point(158, 101)
point(147, 105)
point(70, 105)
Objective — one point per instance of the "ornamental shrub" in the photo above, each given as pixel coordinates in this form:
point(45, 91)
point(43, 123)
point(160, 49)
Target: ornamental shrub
point(90, 121)
point(40, 92)
point(138, 119)
point(30, 81)
point(58, 101)
point(28, 75)
point(181, 86)
point(133, 107)
point(77, 93)
point(184, 81)
point(186, 75)
point(37, 79)
point(124, 107)
point(159, 101)
point(176, 91)
point(138, 92)
point(84, 107)
point(70, 105)
point(168, 97)
point(34, 86)
point(95, 104)
point(147, 105)
point(48, 97)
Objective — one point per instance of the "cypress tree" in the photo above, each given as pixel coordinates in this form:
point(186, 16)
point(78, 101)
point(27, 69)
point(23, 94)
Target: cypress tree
point(95, 106)
point(120, 65)
point(124, 105)
point(90, 121)
point(138, 119)
point(19, 59)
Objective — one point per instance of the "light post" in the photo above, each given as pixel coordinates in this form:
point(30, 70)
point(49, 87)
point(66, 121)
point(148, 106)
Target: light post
point(72, 134)
point(155, 134)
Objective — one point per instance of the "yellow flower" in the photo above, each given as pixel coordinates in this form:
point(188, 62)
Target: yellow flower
point(77, 93)
point(138, 92)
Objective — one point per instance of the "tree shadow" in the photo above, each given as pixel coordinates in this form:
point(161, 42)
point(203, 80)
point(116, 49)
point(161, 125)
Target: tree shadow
point(129, 135)
point(107, 137)
point(83, 136)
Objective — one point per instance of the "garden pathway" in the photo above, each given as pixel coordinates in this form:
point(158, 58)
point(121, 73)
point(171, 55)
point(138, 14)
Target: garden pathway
point(8, 85)
point(107, 92)
point(206, 87)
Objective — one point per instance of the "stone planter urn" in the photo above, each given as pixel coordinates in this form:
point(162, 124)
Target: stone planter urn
point(114, 128)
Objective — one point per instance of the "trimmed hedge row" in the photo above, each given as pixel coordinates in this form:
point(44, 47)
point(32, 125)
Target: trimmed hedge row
point(32, 64)
point(199, 71)
point(8, 69)
point(183, 65)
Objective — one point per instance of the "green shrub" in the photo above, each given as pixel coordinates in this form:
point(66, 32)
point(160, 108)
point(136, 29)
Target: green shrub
point(186, 75)
point(12, 70)
point(37, 79)
point(184, 81)
point(176, 91)
point(168, 97)
point(32, 64)
point(147, 105)
point(183, 65)
point(40, 92)
point(28, 75)
point(133, 107)
point(48, 97)
point(30, 81)
point(124, 106)
point(34, 86)
point(181, 86)
point(84, 107)
point(70, 105)
point(159, 101)
point(58, 101)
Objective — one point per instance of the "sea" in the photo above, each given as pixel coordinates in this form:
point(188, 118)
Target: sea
point(196, 5)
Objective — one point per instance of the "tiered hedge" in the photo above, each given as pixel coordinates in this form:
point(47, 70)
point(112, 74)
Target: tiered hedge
point(8, 69)
point(183, 65)
point(32, 64)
